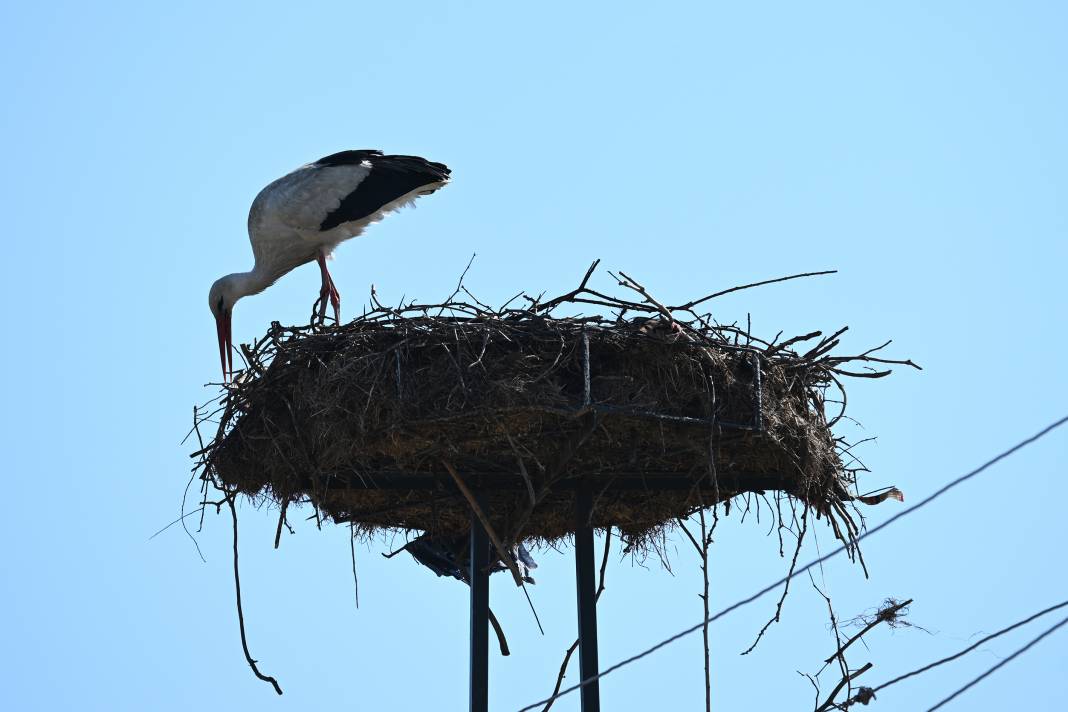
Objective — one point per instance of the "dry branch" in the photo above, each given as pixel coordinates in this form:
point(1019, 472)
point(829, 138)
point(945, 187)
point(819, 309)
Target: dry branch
point(506, 557)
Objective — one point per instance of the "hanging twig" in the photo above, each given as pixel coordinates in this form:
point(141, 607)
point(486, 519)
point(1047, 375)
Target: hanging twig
point(533, 610)
point(352, 552)
point(196, 511)
point(786, 588)
point(501, 640)
point(240, 612)
point(281, 521)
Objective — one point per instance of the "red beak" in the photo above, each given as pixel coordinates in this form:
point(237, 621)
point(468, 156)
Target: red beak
point(226, 351)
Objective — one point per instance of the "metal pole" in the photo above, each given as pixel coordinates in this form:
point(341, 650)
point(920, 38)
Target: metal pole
point(479, 557)
point(587, 599)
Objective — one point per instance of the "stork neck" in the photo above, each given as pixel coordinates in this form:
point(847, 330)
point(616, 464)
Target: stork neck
point(246, 283)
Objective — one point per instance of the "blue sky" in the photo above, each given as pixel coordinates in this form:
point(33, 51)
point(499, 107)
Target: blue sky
point(917, 147)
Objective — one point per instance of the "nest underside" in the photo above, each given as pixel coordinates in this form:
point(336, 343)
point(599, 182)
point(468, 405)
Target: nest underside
point(656, 417)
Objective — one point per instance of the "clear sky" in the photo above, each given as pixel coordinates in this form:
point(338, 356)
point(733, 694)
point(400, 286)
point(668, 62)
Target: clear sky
point(919, 148)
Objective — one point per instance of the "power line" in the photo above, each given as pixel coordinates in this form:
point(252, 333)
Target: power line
point(973, 646)
point(745, 601)
point(991, 671)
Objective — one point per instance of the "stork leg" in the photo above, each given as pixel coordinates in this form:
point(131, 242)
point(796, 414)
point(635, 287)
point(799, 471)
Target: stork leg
point(328, 291)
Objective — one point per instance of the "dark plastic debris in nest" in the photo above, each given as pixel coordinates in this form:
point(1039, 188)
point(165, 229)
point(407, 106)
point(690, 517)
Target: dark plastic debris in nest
point(449, 557)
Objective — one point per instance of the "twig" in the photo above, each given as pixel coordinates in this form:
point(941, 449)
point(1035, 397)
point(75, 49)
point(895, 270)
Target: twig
point(187, 514)
point(459, 284)
point(631, 283)
point(185, 492)
point(691, 305)
point(786, 588)
point(829, 703)
point(702, 551)
point(506, 558)
point(240, 612)
point(971, 647)
point(533, 610)
point(352, 552)
point(281, 521)
point(886, 614)
point(706, 541)
point(790, 342)
point(843, 666)
point(522, 469)
point(570, 295)
point(501, 640)
point(574, 646)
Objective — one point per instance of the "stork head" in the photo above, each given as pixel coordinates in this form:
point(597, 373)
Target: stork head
point(221, 299)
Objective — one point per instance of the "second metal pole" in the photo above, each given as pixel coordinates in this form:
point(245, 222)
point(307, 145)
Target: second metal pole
point(587, 598)
point(479, 557)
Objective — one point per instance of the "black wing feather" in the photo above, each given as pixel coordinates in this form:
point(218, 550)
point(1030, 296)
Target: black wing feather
point(391, 177)
point(348, 158)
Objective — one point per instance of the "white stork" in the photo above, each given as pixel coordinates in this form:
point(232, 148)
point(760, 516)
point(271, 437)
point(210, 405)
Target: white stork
point(305, 214)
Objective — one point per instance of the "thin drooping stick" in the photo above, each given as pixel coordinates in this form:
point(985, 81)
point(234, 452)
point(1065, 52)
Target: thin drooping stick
point(789, 575)
point(500, 633)
point(240, 612)
point(352, 552)
point(506, 558)
point(281, 522)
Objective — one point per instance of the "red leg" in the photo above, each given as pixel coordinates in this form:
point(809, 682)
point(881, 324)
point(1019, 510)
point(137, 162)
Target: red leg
point(328, 291)
point(335, 302)
point(324, 292)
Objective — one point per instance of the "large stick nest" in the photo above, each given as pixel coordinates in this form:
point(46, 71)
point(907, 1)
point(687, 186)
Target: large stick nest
point(658, 410)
